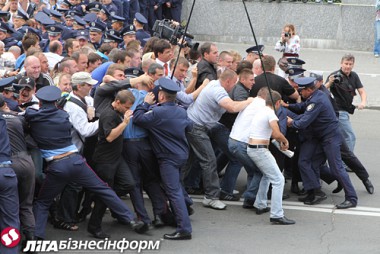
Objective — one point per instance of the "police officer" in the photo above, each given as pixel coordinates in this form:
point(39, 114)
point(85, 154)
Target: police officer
point(5, 37)
point(320, 120)
point(253, 53)
point(9, 203)
point(139, 23)
point(96, 33)
point(23, 166)
point(50, 127)
point(167, 124)
point(8, 90)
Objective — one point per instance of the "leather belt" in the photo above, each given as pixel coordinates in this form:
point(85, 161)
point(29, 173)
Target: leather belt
point(135, 139)
point(18, 154)
point(5, 165)
point(258, 146)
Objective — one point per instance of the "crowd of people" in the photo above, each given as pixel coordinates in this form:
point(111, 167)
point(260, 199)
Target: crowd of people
point(99, 115)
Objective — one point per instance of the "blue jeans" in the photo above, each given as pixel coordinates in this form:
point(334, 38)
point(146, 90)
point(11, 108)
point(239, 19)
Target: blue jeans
point(239, 150)
point(376, 49)
point(265, 161)
point(219, 134)
point(347, 130)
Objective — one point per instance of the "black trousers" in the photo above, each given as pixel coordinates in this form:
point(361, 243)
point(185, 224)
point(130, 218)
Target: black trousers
point(118, 176)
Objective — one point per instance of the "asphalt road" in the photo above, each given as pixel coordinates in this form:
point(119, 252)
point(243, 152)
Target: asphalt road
point(319, 229)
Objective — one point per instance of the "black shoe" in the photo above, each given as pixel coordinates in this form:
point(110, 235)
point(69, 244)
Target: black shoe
point(282, 221)
point(228, 197)
point(157, 222)
point(369, 187)
point(318, 197)
point(302, 192)
point(248, 203)
point(295, 188)
point(178, 236)
point(338, 188)
point(346, 204)
point(262, 210)
point(139, 226)
point(190, 210)
point(82, 215)
point(99, 234)
point(168, 219)
point(309, 196)
point(194, 191)
point(285, 196)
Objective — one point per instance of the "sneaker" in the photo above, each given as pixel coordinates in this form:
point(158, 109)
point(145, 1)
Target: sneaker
point(228, 197)
point(235, 192)
point(248, 203)
point(213, 203)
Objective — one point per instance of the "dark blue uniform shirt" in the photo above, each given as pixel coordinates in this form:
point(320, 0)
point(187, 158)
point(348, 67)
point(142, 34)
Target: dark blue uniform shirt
point(167, 125)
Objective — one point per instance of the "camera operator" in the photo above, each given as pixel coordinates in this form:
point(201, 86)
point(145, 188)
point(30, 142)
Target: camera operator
point(343, 85)
point(289, 44)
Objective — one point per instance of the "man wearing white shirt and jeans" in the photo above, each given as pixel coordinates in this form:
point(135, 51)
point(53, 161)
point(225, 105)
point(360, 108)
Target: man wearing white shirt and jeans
point(238, 142)
point(264, 125)
point(205, 113)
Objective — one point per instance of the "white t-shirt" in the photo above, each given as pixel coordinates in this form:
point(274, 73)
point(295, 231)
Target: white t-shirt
point(260, 125)
point(206, 109)
point(240, 129)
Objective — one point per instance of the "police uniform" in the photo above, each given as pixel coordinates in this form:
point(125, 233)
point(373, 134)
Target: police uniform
point(130, 29)
point(97, 26)
point(141, 34)
point(9, 202)
point(9, 41)
point(167, 124)
point(6, 85)
point(50, 127)
point(321, 123)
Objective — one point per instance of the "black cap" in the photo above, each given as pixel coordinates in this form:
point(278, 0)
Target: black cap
point(67, 3)
point(133, 72)
point(94, 6)
point(128, 30)
point(5, 14)
point(295, 72)
point(70, 14)
point(48, 93)
point(26, 82)
point(21, 14)
point(305, 82)
point(255, 49)
point(168, 85)
point(140, 18)
point(97, 26)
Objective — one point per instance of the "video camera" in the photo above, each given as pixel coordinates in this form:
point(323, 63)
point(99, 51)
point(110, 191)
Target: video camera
point(166, 29)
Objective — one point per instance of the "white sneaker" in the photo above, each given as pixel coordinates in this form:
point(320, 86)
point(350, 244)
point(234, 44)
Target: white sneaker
point(213, 203)
point(235, 192)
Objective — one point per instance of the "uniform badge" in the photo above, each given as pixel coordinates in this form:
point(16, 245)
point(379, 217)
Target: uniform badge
point(293, 61)
point(291, 71)
point(131, 27)
point(97, 6)
point(112, 32)
point(310, 107)
point(93, 24)
point(52, 28)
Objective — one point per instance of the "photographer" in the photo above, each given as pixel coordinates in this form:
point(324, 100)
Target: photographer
point(289, 44)
point(343, 85)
